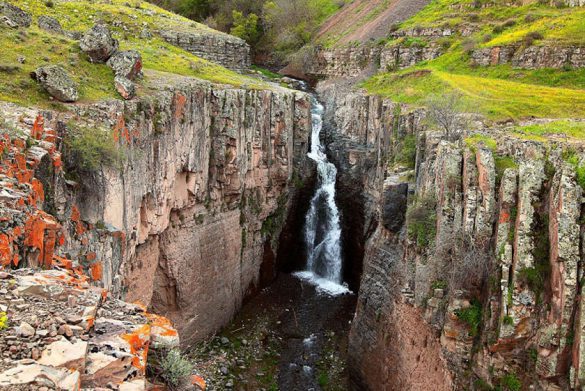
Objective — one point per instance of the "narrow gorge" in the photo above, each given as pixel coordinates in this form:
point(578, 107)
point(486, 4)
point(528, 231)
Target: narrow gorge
point(399, 208)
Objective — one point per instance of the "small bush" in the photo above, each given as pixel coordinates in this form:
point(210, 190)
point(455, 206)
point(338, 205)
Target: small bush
point(421, 220)
point(510, 382)
point(532, 37)
point(174, 368)
point(90, 148)
point(508, 320)
point(472, 316)
point(3, 321)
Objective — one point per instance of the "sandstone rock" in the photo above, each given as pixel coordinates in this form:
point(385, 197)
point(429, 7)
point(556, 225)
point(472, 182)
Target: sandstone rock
point(98, 43)
point(50, 24)
point(26, 330)
point(65, 330)
point(126, 64)
point(13, 16)
point(125, 87)
point(56, 82)
point(64, 354)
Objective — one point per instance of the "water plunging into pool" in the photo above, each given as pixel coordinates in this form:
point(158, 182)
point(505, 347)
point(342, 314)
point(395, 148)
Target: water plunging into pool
point(322, 231)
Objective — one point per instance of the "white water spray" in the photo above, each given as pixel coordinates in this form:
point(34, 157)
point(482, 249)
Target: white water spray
point(322, 231)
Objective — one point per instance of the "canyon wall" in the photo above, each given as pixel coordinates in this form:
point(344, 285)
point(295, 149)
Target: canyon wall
point(477, 282)
point(186, 223)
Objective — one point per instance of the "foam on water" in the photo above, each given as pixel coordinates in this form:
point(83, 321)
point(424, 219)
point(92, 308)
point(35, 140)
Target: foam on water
point(323, 285)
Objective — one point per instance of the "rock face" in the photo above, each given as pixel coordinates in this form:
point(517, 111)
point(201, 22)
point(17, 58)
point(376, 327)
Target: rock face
point(199, 163)
point(226, 50)
point(56, 81)
point(98, 43)
point(532, 57)
point(423, 279)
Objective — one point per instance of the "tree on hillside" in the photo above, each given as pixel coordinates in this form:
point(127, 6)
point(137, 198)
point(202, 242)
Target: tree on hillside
point(245, 27)
point(444, 111)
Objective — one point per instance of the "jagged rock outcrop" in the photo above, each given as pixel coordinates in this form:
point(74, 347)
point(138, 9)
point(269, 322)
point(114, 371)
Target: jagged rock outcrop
point(531, 57)
point(13, 16)
point(226, 50)
point(64, 334)
point(98, 43)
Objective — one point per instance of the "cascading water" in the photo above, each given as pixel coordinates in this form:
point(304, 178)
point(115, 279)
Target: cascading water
point(322, 231)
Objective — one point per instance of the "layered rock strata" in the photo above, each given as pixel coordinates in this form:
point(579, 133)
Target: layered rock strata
point(481, 282)
point(183, 221)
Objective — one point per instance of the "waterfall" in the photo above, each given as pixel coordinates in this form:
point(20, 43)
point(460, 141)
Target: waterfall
point(322, 231)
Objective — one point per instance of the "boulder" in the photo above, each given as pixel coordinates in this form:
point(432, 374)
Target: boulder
point(34, 374)
point(56, 81)
point(98, 43)
point(13, 16)
point(127, 64)
point(64, 354)
point(49, 24)
point(125, 87)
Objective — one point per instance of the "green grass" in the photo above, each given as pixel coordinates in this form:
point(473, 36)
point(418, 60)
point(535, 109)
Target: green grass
point(479, 139)
point(497, 99)
point(95, 81)
point(498, 92)
point(471, 316)
point(568, 129)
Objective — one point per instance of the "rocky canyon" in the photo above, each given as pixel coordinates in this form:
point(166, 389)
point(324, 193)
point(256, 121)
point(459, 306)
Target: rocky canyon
point(396, 205)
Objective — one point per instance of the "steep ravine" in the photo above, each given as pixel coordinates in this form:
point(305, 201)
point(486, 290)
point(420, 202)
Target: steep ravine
point(477, 284)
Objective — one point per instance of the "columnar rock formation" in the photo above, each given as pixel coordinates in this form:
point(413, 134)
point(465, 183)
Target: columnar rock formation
point(503, 239)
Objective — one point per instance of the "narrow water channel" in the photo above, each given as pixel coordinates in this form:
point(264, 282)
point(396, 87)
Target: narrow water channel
point(293, 335)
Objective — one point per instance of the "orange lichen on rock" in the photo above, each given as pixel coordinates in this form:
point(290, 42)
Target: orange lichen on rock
point(96, 271)
point(179, 102)
point(76, 218)
point(40, 232)
point(163, 323)
point(6, 254)
point(38, 128)
point(504, 217)
point(121, 130)
point(139, 341)
point(199, 382)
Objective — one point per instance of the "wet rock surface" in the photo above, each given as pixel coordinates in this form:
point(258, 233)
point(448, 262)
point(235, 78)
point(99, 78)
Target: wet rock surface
point(289, 337)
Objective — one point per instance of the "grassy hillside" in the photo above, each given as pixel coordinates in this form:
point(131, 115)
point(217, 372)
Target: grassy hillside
point(500, 92)
point(96, 80)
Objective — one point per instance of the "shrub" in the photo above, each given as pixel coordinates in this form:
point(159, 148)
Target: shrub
point(472, 316)
point(174, 368)
point(89, 148)
point(510, 382)
point(443, 111)
point(532, 37)
point(245, 27)
point(421, 221)
point(3, 321)
point(407, 152)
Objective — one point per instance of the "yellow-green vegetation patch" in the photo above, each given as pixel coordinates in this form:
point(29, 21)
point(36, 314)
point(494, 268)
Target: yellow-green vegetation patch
point(568, 129)
point(499, 92)
point(495, 98)
point(476, 140)
point(126, 19)
point(39, 48)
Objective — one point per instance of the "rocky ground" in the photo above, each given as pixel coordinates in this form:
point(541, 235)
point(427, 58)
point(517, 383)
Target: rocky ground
point(289, 337)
